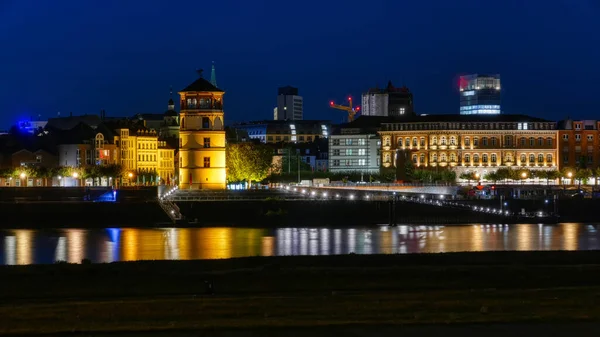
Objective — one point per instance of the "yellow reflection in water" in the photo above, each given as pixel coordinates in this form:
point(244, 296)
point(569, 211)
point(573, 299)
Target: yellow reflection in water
point(476, 238)
point(130, 244)
point(570, 236)
point(75, 245)
point(214, 243)
point(24, 246)
point(185, 243)
point(524, 237)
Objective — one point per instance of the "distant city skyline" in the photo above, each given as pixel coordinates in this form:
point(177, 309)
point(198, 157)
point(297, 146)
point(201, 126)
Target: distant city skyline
point(79, 63)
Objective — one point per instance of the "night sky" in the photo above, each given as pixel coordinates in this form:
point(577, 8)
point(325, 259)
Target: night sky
point(122, 56)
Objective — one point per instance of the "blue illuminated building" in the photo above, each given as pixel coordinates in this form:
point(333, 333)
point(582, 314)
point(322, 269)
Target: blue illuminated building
point(480, 94)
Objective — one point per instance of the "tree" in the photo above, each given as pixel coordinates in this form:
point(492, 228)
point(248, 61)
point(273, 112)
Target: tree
point(596, 175)
point(492, 176)
point(248, 162)
point(583, 175)
point(468, 176)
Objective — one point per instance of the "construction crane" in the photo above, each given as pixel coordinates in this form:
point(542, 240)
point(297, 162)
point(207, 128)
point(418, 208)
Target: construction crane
point(348, 108)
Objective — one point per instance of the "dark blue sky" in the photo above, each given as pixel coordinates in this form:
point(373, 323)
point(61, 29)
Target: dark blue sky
point(122, 56)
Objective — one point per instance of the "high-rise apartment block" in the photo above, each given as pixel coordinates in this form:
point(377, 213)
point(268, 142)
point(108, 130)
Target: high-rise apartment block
point(289, 104)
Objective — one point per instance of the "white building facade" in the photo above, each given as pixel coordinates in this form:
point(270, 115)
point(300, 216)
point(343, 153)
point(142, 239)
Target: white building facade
point(354, 153)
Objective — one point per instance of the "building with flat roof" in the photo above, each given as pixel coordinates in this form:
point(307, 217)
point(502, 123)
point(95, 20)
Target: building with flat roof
point(389, 101)
point(480, 94)
point(289, 104)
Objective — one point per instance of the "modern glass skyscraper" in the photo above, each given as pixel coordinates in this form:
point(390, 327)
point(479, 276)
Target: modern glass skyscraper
point(479, 94)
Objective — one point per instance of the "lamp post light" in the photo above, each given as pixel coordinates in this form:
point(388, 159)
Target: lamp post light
point(523, 176)
point(23, 175)
point(76, 176)
point(570, 175)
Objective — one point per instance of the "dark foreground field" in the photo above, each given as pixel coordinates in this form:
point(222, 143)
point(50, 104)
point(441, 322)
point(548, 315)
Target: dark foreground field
point(277, 296)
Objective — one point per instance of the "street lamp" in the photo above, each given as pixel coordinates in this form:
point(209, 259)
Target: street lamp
point(23, 175)
point(523, 176)
point(570, 175)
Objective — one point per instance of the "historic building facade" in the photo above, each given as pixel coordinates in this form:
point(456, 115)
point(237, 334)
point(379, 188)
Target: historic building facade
point(478, 144)
point(579, 144)
point(202, 137)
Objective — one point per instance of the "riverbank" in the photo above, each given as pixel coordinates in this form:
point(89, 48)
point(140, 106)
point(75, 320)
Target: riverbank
point(253, 294)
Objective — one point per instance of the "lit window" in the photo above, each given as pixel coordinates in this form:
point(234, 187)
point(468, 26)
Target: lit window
point(206, 161)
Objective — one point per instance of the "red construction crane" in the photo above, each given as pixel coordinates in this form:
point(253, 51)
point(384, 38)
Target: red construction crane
point(348, 108)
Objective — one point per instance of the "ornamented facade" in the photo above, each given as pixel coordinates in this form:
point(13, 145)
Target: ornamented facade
point(479, 144)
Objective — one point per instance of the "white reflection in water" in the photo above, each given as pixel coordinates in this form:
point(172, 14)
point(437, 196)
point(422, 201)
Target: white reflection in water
point(10, 247)
point(61, 249)
point(76, 245)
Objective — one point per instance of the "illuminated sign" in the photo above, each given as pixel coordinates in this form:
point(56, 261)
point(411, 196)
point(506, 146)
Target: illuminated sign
point(469, 93)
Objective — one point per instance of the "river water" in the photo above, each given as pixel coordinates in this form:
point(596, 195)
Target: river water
point(24, 246)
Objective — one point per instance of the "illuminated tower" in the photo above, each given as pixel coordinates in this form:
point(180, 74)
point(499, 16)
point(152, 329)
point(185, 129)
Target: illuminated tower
point(201, 137)
point(479, 94)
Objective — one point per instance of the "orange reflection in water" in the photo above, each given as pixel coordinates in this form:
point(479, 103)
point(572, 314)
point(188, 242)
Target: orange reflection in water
point(130, 244)
point(185, 243)
point(268, 246)
point(570, 232)
point(75, 245)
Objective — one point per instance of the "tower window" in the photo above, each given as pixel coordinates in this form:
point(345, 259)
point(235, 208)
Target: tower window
point(206, 161)
point(205, 122)
point(206, 142)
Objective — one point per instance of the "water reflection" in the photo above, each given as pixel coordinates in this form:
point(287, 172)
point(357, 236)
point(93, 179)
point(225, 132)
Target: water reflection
point(127, 244)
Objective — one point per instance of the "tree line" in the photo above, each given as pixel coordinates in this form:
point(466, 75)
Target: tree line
point(581, 175)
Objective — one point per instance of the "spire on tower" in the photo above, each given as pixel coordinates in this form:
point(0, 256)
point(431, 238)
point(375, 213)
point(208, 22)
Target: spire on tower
point(171, 102)
point(213, 75)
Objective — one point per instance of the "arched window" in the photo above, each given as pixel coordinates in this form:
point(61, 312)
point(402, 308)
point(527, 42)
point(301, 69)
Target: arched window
point(422, 158)
point(99, 141)
point(549, 159)
point(523, 157)
point(434, 140)
point(467, 141)
point(407, 142)
point(476, 158)
point(531, 141)
point(443, 140)
point(494, 141)
point(386, 141)
point(509, 158)
point(540, 158)
point(541, 141)
point(484, 158)
point(532, 158)
point(549, 141)
point(507, 140)
point(484, 141)
point(494, 158)
point(467, 158)
point(422, 141)
point(453, 157)
point(443, 157)
point(414, 158)
point(523, 141)
point(452, 140)
point(434, 158)
point(387, 158)
point(415, 141)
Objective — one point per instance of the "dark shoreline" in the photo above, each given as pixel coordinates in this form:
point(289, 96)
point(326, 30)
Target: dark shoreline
point(318, 294)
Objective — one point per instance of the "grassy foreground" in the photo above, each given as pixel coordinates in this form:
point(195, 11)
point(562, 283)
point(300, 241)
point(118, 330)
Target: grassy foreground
point(301, 291)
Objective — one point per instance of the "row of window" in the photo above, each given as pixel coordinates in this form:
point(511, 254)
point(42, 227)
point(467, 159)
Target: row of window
point(349, 162)
point(485, 141)
point(350, 141)
point(287, 138)
point(350, 152)
point(493, 158)
point(590, 138)
point(468, 126)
